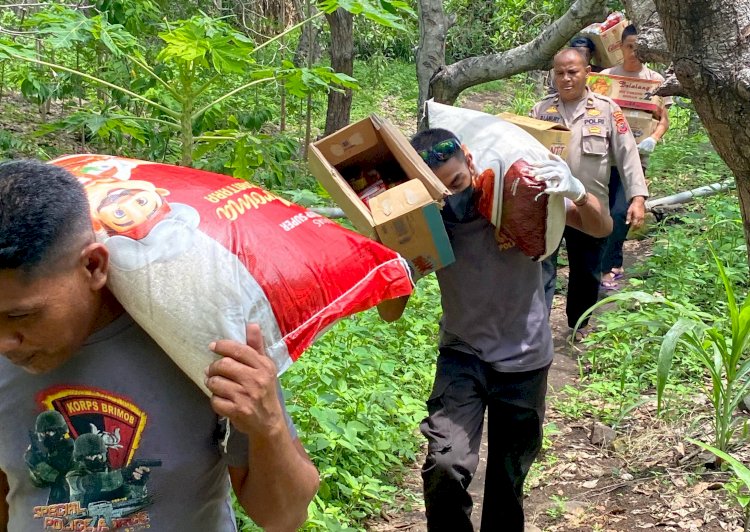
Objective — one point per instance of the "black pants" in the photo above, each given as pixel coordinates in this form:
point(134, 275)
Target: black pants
point(618, 209)
point(584, 259)
point(464, 387)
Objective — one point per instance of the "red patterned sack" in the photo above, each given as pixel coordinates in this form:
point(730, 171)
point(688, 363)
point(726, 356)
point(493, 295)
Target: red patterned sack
point(195, 256)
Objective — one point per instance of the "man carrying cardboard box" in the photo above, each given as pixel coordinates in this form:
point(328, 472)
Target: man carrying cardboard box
point(495, 346)
point(599, 134)
point(632, 67)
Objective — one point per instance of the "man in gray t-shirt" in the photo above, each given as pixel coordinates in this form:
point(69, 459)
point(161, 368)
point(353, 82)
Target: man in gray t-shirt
point(100, 430)
point(495, 347)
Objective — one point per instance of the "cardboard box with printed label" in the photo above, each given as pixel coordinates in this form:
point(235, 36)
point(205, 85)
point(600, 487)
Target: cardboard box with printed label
point(608, 42)
point(555, 137)
point(630, 93)
point(406, 216)
point(642, 123)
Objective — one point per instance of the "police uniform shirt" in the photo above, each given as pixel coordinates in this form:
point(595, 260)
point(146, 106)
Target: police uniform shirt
point(600, 138)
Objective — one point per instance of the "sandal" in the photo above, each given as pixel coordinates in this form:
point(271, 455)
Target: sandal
point(617, 273)
point(579, 335)
point(609, 285)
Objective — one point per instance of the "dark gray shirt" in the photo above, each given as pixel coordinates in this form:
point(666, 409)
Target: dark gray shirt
point(493, 301)
point(121, 386)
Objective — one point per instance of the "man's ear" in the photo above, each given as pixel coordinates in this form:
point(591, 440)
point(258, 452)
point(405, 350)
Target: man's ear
point(588, 69)
point(95, 259)
point(469, 160)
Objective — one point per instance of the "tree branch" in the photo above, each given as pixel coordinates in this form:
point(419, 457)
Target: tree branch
point(449, 82)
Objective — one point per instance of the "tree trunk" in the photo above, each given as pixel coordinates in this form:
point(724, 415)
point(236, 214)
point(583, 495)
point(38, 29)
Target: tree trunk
point(445, 83)
point(430, 57)
point(652, 46)
point(710, 47)
point(308, 40)
point(342, 60)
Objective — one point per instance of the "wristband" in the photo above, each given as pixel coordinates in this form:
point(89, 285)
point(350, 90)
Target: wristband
point(582, 200)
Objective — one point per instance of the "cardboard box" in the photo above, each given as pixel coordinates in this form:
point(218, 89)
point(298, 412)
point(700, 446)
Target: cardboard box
point(642, 123)
point(408, 220)
point(628, 93)
point(608, 42)
point(406, 217)
point(555, 137)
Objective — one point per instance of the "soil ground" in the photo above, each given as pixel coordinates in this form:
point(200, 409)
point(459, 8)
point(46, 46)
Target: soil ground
point(645, 479)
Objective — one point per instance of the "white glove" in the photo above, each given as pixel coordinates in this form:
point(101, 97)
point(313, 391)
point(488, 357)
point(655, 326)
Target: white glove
point(556, 174)
point(647, 145)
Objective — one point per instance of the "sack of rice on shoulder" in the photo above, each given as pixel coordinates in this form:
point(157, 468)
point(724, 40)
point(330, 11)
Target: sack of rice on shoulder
point(195, 256)
point(509, 196)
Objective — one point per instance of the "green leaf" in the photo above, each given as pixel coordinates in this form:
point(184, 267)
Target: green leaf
point(742, 472)
point(666, 354)
point(229, 57)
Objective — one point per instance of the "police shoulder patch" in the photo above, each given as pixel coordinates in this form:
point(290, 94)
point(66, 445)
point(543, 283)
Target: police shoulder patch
point(622, 124)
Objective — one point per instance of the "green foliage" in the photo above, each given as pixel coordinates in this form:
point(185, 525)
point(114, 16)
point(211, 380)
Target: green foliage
point(356, 397)
point(619, 365)
point(397, 91)
point(718, 346)
point(686, 159)
point(741, 487)
point(169, 91)
point(489, 27)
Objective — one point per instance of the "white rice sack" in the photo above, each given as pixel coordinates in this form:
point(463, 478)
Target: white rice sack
point(511, 198)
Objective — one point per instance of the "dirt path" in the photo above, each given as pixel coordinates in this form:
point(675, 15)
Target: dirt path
point(642, 479)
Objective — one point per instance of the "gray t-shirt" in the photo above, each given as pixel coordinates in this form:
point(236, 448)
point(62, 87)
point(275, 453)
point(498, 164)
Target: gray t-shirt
point(122, 387)
point(493, 301)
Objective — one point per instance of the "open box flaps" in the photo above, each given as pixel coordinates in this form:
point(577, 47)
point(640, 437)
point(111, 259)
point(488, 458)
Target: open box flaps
point(403, 212)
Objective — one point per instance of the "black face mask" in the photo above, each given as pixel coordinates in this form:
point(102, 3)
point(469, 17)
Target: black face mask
point(460, 207)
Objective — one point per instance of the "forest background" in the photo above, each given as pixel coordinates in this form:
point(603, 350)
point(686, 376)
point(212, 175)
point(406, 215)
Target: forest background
point(242, 87)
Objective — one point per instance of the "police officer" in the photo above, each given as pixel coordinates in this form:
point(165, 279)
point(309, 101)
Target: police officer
point(600, 137)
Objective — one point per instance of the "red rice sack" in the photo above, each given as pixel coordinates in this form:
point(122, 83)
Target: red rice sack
point(195, 256)
point(510, 196)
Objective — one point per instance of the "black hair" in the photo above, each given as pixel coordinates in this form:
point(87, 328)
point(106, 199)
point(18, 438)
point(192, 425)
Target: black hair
point(426, 139)
point(583, 42)
point(628, 31)
point(43, 213)
point(577, 51)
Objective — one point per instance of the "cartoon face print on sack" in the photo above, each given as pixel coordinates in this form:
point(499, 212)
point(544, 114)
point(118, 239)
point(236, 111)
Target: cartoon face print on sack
point(127, 208)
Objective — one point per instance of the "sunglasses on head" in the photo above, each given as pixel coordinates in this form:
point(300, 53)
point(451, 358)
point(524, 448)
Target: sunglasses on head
point(441, 151)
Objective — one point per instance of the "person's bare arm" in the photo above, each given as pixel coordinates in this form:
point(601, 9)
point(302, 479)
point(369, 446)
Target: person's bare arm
point(272, 502)
point(392, 309)
point(662, 126)
point(280, 479)
point(4, 510)
point(589, 217)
